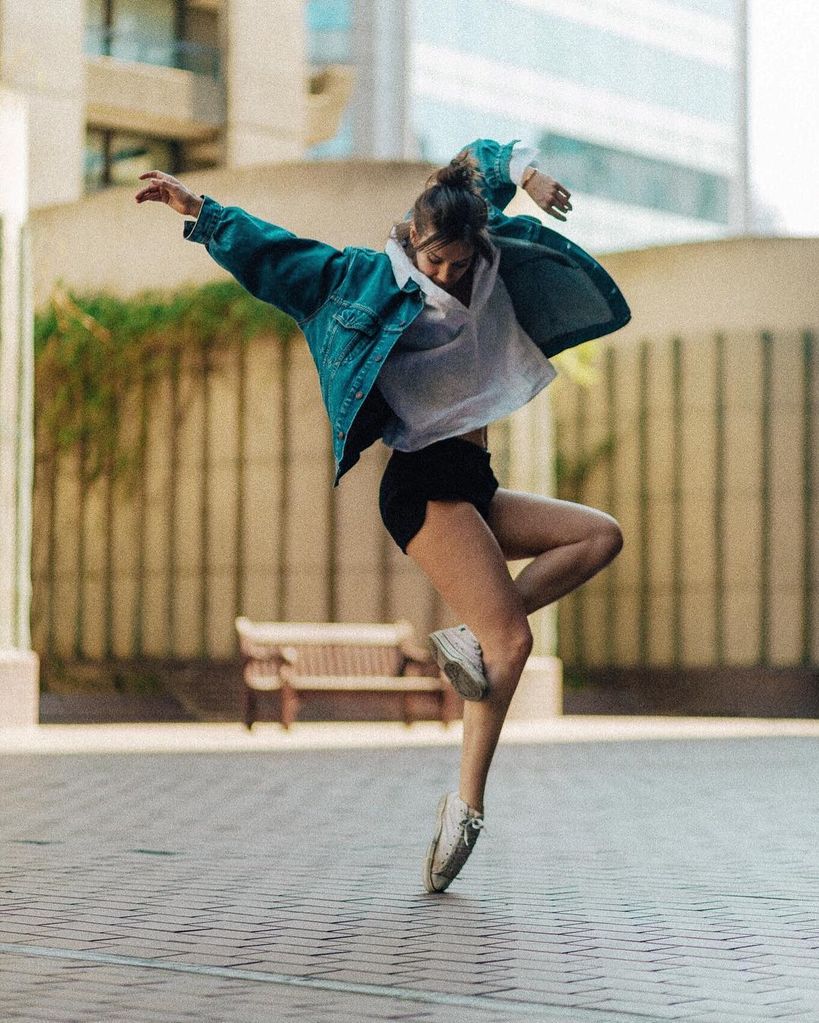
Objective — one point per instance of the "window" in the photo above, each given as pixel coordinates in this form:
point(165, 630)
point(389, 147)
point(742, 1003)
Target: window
point(638, 180)
point(523, 38)
point(329, 31)
point(151, 32)
point(118, 158)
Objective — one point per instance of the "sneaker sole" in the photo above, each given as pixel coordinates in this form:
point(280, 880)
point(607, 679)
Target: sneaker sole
point(463, 682)
point(433, 845)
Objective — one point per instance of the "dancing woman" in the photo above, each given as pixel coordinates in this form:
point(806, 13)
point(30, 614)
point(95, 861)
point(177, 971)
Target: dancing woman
point(423, 345)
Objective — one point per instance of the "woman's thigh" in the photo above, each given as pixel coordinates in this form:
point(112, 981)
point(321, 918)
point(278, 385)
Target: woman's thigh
point(526, 525)
point(461, 557)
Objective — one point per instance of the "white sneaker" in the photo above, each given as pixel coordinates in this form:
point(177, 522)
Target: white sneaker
point(455, 836)
point(459, 657)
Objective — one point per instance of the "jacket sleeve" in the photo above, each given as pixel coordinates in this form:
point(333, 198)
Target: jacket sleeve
point(497, 187)
point(296, 275)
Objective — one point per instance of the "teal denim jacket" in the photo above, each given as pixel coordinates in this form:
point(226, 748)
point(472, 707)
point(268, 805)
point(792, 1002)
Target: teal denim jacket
point(352, 312)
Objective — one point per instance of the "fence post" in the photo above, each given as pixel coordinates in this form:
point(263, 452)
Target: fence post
point(19, 668)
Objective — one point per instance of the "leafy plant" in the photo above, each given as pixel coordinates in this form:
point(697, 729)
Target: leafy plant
point(95, 353)
point(571, 475)
point(580, 368)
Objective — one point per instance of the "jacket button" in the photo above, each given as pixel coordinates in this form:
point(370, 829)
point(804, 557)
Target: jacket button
point(359, 394)
point(340, 434)
point(377, 358)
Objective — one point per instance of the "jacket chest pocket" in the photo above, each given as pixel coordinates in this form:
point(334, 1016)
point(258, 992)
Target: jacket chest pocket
point(348, 328)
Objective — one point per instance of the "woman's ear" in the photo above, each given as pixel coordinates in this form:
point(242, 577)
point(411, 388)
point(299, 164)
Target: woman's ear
point(413, 235)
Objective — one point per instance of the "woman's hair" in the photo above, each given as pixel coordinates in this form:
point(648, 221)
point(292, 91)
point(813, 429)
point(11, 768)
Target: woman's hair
point(451, 208)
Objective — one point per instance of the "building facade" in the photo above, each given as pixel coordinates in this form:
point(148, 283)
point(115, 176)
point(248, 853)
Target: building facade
point(116, 87)
point(638, 106)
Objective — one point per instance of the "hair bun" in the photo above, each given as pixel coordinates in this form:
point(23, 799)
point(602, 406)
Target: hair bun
point(460, 172)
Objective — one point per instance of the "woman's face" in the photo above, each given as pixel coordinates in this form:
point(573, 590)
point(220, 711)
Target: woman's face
point(445, 265)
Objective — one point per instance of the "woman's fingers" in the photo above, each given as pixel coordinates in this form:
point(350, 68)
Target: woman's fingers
point(165, 188)
point(159, 175)
point(559, 196)
point(152, 193)
point(162, 188)
point(551, 196)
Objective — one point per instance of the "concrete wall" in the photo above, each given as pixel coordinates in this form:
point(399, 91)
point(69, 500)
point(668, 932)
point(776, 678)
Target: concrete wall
point(265, 81)
point(106, 241)
point(734, 284)
point(166, 102)
point(41, 59)
point(709, 400)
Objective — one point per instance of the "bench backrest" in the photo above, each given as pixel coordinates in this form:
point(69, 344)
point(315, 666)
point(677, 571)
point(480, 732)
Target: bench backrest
point(314, 633)
point(328, 649)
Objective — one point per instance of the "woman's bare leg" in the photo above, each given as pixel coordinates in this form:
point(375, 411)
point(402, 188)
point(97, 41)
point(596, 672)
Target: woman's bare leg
point(461, 557)
point(465, 559)
point(569, 543)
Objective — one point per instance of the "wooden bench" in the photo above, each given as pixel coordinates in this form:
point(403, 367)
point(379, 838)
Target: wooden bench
point(303, 658)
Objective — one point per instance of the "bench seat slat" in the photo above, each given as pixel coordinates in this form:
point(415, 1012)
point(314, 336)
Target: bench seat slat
point(359, 683)
point(374, 683)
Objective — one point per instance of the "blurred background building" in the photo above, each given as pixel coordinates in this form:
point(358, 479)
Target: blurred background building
point(639, 104)
point(650, 131)
point(117, 87)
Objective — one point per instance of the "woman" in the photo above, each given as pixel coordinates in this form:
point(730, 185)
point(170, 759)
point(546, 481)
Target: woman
point(424, 345)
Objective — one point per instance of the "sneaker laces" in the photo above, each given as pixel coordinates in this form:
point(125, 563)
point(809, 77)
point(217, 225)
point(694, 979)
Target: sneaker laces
point(463, 847)
point(477, 825)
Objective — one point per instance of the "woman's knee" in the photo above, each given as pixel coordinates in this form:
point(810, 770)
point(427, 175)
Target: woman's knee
point(508, 646)
point(606, 540)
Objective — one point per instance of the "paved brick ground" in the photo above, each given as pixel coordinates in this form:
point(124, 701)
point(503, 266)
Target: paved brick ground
point(672, 880)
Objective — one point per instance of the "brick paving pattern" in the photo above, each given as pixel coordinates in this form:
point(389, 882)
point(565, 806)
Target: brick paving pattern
point(616, 882)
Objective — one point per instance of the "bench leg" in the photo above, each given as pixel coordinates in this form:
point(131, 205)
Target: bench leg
point(290, 704)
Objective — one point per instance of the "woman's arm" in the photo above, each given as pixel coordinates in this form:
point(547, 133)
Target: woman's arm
point(295, 274)
point(503, 167)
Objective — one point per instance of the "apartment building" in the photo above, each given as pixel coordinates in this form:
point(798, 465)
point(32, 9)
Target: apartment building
point(637, 105)
point(114, 87)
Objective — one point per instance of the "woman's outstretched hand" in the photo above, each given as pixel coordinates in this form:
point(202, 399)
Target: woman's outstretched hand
point(549, 194)
point(164, 188)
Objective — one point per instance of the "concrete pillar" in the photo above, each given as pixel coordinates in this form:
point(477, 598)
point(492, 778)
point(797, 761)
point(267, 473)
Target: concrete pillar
point(18, 665)
point(41, 59)
point(380, 104)
point(265, 81)
point(539, 695)
point(740, 213)
point(531, 469)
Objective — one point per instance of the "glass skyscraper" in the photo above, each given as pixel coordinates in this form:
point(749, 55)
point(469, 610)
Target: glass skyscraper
point(636, 105)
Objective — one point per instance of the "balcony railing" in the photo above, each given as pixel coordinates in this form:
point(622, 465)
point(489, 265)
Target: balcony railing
point(197, 58)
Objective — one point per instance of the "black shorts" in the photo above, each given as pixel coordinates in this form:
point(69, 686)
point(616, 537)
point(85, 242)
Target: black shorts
point(451, 469)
